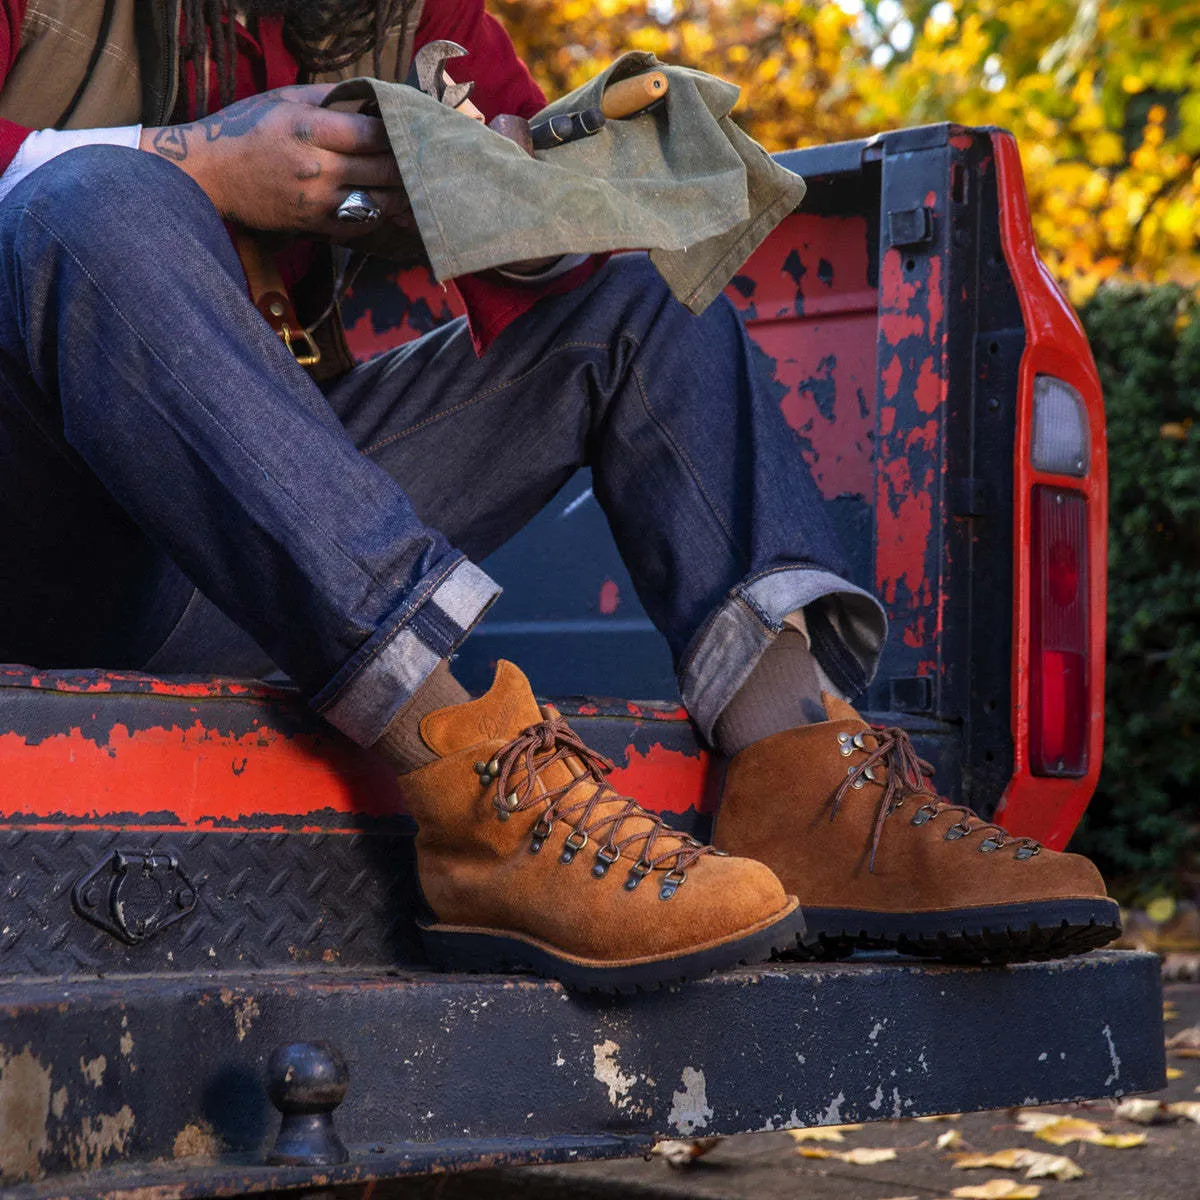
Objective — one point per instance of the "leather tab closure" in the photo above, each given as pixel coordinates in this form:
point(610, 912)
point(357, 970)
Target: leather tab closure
point(270, 296)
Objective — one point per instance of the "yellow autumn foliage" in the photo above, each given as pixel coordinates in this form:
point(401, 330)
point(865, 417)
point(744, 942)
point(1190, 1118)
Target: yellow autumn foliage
point(1103, 96)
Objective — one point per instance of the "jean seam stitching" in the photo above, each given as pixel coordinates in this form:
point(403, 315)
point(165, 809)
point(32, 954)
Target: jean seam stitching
point(483, 395)
point(166, 367)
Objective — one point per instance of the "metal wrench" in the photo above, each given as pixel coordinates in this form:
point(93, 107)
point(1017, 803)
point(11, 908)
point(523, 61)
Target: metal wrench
point(431, 62)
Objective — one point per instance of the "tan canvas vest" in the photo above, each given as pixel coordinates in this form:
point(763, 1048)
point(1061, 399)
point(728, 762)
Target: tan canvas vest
point(135, 74)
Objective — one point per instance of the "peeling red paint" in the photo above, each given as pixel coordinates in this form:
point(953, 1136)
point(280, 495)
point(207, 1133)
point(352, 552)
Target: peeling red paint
point(610, 597)
point(663, 780)
point(891, 375)
point(904, 522)
point(189, 771)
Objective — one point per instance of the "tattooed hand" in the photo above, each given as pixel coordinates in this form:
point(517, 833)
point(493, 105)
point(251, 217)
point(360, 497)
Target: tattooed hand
point(279, 161)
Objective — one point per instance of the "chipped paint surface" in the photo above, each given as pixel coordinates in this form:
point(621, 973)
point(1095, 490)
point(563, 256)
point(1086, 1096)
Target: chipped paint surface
point(245, 1010)
point(24, 1112)
point(1113, 1057)
point(93, 1069)
point(689, 1107)
point(198, 1139)
point(606, 1069)
point(101, 1137)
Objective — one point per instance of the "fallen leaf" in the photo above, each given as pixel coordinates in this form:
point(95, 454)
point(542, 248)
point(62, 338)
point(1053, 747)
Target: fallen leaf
point(1003, 1160)
point(860, 1156)
point(865, 1156)
point(1185, 1039)
point(1035, 1163)
point(1174, 1073)
point(949, 1140)
point(1030, 1120)
point(1069, 1129)
point(828, 1133)
point(680, 1152)
point(1118, 1141)
point(1050, 1166)
point(1186, 1052)
point(999, 1189)
point(1143, 1112)
point(939, 1117)
point(1189, 1109)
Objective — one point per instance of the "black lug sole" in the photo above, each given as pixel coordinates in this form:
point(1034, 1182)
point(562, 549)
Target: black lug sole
point(456, 948)
point(997, 934)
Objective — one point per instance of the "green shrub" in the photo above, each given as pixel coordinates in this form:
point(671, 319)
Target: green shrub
point(1143, 826)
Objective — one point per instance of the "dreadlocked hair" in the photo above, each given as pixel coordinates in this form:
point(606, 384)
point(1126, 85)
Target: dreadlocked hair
point(325, 35)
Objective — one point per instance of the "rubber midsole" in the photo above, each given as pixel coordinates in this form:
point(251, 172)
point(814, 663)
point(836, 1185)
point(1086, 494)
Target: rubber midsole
point(508, 936)
point(849, 922)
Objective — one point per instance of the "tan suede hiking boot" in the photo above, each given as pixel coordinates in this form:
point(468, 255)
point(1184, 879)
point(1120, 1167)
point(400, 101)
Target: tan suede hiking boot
point(845, 815)
point(528, 859)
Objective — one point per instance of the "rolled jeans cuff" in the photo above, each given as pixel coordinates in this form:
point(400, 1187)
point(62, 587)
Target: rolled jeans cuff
point(847, 628)
point(391, 665)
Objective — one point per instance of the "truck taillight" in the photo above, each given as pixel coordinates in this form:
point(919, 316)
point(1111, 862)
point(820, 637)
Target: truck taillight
point(1060, 428)
point(1058, 727)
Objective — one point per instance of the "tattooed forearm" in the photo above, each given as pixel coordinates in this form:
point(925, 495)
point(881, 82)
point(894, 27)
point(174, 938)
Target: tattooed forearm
point(171, 142)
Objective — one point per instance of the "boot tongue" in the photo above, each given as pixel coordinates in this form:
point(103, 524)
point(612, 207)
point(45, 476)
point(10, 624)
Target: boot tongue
point(837, 709)
point(499, 714)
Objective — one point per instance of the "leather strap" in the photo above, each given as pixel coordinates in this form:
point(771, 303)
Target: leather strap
point(270, 296)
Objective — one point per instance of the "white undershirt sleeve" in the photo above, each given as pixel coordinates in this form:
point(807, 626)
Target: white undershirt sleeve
point(44, 144)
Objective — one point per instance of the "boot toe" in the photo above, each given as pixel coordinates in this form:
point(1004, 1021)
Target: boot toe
point(736, 894)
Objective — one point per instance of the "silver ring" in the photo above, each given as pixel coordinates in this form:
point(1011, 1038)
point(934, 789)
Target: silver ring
point(358, 209)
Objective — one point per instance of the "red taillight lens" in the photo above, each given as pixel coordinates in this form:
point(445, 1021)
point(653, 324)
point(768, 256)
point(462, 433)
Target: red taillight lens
point(1058, 689)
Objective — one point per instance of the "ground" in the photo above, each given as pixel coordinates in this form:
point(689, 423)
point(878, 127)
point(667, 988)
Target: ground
point(769, 1166)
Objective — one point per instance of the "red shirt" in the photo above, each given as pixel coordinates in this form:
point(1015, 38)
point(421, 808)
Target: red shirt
point(502, 84)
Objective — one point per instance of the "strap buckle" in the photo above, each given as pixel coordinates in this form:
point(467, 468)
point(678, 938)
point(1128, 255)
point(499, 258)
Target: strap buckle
point(304, 349)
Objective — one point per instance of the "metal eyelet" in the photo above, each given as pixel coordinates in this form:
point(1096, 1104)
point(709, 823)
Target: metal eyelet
point(505, 806)
point(572, 846)
point(637, 873)
point(485, 776)
point(1027, 852)
point(541, 831)
point(859, 783)
point(672, 882)
point(858, 742)
point(721, 853)
point(844, 745)
point(869, 773)
point(990, 843)
point(605, 857)
point(923, 815)
point(955, 832)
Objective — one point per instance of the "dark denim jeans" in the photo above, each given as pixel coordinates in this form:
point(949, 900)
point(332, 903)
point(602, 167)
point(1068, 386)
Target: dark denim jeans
point(156, 438)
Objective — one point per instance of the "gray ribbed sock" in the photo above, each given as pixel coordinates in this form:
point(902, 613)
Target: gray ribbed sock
point(782, 691)
point(400, 743)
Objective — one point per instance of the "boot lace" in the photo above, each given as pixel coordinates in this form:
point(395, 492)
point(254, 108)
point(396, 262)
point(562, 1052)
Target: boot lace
point(593, 816)
point(909, 775)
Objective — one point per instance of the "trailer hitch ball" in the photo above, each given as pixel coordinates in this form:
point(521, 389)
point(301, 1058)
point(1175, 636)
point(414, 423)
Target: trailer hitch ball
point(306, 1081)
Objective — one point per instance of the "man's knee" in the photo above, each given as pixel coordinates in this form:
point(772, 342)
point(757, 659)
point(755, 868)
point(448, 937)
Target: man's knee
point(97, 195)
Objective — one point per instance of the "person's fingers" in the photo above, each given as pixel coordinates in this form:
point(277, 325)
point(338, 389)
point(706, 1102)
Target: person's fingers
point(306, 93)
point(394, 209)
point(369, 171)
point(344, 133)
